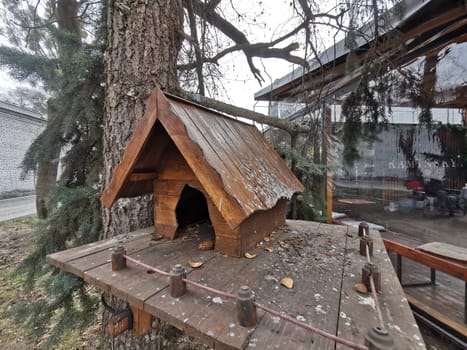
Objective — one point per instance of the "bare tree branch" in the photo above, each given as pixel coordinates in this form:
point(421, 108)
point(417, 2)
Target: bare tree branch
point(242, 43)
point(198, 55)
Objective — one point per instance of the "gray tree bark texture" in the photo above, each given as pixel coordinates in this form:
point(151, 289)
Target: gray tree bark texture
point(142, 47)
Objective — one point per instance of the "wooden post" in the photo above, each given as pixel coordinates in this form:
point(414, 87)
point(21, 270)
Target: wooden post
point(378, 338)
point(366, 241)
point(177, 283)
point(329, 203)
point(370, 269)
point(246, 309)
point(118, 260)
point(363, 229)
point(141, 321)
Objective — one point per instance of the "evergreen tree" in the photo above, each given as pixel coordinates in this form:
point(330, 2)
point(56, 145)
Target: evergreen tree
point(71, 71)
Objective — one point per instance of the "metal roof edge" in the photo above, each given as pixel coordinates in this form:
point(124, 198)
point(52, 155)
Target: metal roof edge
point(339, 49)
point(21, 111)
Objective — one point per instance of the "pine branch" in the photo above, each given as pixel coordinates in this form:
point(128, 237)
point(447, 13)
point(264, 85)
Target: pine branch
point(28, 66)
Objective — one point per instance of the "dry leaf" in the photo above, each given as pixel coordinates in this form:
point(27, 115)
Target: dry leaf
point(287, 282)
point(206, 245)
point(361, 288)
point(269, 249)
point(266, 239)
point(283, 244)
point(317, 258)
point(195, 264)
point(250, 255)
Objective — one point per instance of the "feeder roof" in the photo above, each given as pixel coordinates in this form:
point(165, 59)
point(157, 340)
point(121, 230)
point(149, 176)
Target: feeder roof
point(238, 169)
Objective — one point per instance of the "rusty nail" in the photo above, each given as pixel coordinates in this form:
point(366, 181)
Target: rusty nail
point(246, 308)
point(177, 283)
point(118, 259)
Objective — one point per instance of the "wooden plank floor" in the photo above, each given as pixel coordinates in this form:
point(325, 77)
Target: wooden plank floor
point(323, 260)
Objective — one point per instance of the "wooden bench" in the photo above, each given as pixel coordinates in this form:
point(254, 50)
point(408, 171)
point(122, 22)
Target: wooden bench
point(404, 246)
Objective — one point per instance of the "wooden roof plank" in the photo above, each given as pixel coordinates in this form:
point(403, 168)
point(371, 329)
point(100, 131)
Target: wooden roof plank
point(206, 173)
point(270, 158)
point(232, 177)
point(238, 183)
point(228, 133)
point(132, 152)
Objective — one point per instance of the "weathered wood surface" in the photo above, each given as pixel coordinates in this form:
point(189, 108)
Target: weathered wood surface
point(407, 247)
point(239, 177)
point(444, 300)
point(397, 316)
point(321, 259)
point(445, 250)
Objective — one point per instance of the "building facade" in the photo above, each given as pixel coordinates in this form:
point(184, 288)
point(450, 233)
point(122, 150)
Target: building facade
point(18, 129)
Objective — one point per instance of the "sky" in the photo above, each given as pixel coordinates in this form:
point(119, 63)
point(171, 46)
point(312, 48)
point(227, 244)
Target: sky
point(261, 23)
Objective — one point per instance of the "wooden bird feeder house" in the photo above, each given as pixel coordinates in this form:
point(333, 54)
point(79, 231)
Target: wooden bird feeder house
point(200, 164)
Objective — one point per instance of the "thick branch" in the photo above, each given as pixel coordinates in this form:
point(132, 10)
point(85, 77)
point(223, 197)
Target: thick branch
point(290, 127)
point(194, 35)
point(266, 51)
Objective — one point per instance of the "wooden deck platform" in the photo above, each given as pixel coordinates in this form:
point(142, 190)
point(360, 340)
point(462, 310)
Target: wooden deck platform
point(323, 260)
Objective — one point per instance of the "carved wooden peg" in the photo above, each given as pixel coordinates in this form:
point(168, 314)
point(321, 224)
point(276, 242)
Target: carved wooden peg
point(177, 283)
point(363, 229)
point(378, 338)
point(246, 309)
point(368, 270)
point(118, 259)
point(364, 242)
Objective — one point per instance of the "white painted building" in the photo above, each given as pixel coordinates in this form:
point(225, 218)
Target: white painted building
point(18, 129)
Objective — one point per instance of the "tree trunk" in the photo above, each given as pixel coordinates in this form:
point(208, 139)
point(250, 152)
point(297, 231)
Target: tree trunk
point(142, 48)
point(66, 12)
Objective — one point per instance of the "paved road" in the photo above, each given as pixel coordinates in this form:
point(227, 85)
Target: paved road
point(17, 207)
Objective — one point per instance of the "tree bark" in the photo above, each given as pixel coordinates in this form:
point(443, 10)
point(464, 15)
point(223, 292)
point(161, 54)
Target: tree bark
point(47, 172)
point(142, 48)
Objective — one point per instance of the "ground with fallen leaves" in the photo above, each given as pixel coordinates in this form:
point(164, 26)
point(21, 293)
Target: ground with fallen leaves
point(15, 242)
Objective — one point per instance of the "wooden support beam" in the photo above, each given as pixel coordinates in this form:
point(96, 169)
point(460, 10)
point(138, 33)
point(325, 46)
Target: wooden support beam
point(329, 203)
point(135, 177)
point(141, 321)
point(439, 20)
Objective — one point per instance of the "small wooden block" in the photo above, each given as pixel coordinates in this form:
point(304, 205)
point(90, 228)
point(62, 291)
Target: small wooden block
point(141, 321)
